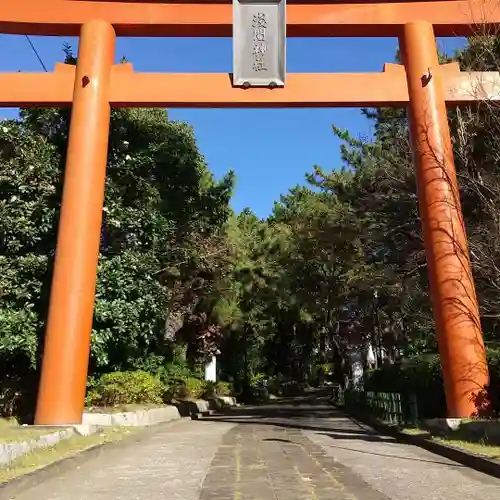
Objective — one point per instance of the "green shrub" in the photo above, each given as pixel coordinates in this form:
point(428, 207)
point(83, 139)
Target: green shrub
point(218, 388)
point(224, 388)
point(210, 390)
point(188, 388)
point(18, 388)
point(320, 373)
point(494, 385)
point(257, 378)
point(174, 372)
point(195, 387)
point(117, 388)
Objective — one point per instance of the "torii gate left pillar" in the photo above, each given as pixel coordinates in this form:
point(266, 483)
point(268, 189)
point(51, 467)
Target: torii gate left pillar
point(67, 339)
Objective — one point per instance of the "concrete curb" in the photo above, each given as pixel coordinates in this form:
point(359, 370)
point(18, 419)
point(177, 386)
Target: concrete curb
point(12, 451)
point(139, 418)
point(471, 460)
point(14, 487)
point(201, 406)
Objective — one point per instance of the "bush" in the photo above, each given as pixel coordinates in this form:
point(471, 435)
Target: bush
point(210, 390)
point(320, 373)
point(494, 386)
point(140, 387)
point(195, 387)
point(223, 389)
point(117, 388)
point(18, 387)
point(257, 379)
point(217, 389)
point(174, 372)
point(188, 388)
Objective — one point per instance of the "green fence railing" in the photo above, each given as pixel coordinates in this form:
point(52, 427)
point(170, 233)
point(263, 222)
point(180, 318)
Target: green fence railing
point(386, 406)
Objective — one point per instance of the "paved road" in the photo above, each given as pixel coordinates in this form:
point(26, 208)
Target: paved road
point(299, 449)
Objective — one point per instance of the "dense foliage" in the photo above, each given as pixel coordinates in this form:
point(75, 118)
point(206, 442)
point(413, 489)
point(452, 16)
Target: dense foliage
point(338, 265)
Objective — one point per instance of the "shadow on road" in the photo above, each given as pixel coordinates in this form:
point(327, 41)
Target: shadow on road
point(398, 457)
point(313, 412)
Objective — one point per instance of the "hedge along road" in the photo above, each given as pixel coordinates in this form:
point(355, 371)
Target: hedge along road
point(293, 449)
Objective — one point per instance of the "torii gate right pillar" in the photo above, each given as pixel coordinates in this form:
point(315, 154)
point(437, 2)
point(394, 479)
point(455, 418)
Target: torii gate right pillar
point(456, 312)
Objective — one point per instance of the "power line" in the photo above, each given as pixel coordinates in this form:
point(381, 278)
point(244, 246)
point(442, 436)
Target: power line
point(36, 53)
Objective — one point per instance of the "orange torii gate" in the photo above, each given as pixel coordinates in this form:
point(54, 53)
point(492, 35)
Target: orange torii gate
point(96, 85)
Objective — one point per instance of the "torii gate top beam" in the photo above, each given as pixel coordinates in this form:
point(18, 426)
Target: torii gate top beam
point(208, 19)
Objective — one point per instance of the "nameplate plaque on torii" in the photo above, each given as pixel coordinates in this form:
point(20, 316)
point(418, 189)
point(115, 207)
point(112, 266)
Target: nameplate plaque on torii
point(259, 43)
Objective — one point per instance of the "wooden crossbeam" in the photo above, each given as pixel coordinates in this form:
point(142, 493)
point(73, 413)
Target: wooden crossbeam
point(148, 19)
point(191, 90)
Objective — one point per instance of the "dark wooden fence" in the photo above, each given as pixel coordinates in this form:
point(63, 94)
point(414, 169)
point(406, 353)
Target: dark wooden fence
point(385, 406)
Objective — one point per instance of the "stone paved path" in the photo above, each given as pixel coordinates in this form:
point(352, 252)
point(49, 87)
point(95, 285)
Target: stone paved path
point(291, 450)
point(267, 463)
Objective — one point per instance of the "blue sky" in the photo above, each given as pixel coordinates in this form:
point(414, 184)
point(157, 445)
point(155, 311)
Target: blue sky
point(269, 149)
